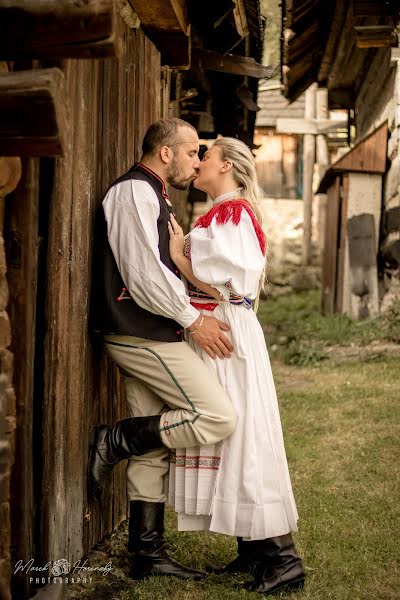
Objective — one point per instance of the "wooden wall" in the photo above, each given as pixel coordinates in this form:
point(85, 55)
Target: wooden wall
point(64, 383)
point(278, 164)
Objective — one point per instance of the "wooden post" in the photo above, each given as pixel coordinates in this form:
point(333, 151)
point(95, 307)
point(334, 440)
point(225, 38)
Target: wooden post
point(322, 159)
point(10, 172)
point(308, 172)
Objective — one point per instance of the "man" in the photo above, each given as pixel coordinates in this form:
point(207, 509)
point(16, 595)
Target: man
point(175, 401)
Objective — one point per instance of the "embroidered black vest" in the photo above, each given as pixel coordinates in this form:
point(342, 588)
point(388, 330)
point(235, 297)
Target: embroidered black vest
point(116, 312)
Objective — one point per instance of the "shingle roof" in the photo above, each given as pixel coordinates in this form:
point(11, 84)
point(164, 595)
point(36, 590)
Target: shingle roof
point(273, 104)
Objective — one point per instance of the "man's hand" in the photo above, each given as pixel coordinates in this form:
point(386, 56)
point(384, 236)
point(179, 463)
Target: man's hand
point(211, 338)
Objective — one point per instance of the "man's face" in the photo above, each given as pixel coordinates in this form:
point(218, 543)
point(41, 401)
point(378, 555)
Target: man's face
point(185, 162)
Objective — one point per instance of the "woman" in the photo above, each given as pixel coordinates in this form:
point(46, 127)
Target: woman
point(240, 486)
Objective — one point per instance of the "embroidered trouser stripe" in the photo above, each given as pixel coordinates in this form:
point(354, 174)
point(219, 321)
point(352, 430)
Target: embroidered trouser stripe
point(166, 427)
point(169, 379)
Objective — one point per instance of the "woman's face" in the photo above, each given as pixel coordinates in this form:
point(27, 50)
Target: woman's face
point(209, 169)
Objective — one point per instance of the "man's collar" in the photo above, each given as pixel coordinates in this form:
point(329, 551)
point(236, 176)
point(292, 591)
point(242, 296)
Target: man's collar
point(154, 177)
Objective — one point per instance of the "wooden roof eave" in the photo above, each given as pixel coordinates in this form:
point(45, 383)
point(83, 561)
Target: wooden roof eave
point(367, 156)
point(301, 46)
point(58, 29)
point(166, 23)
point(40, 93)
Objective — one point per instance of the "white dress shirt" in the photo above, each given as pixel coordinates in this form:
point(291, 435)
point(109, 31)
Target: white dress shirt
point(131, 210)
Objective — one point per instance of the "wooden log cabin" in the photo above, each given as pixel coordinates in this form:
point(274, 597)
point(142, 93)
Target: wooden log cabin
point(80, 82)
point(350, 48)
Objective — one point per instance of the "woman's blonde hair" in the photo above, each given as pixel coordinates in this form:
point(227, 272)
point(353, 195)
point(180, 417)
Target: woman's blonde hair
point(245, 174)
point(244, 170)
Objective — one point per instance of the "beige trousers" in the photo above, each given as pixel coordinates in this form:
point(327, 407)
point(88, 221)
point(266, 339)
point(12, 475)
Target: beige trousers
point(172, 380)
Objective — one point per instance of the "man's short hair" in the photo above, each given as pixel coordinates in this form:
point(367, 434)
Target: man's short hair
point(163, 132)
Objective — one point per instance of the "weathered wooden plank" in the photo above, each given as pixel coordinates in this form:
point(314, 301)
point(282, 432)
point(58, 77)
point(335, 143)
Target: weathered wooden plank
point(368, 8)
point(329, 266)
point(33, 113)
point(22, 244)
point(375, 36)
point(95, 368)
point(110, 162)
point(231, 63)
point(58, 28)
point(53, 511)
point(162, 15)
point(297, 11)
point(308, 173)
point(130, 98)
point(309, 126)
point(369, 155)
point(341, 243)
point(81, 207)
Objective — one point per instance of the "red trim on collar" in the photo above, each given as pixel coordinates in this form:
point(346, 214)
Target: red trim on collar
point(163, 190)
point(231, 210)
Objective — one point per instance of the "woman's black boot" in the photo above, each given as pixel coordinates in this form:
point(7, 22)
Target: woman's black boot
point(278, 567)
point(146, 541)
point(245, 560)
point(109, 445)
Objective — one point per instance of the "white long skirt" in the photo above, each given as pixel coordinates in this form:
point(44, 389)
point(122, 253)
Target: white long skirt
point(241, 486)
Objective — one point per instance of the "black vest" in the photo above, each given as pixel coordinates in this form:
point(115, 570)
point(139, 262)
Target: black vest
point(116, 312)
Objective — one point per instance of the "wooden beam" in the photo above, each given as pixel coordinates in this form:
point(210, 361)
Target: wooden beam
point(341, 98)
point(58, 29)
point(231, 63)
point(308, 172)
point(166, 24)
point(239, 14)
point(162, 15)
point(174, 49)
point(33, 119)
point(371, 8)
point(375, 36)
point(309, 126)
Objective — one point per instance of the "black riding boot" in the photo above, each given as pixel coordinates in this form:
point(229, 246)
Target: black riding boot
point(245, 560)
point(146, 541)
point(279, 567)
point(109, 445)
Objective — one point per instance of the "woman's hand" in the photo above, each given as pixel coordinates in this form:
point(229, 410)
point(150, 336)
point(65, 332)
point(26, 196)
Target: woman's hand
point(176, 239)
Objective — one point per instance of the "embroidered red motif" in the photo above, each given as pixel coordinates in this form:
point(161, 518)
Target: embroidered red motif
point(231, 210)
point(207, 306)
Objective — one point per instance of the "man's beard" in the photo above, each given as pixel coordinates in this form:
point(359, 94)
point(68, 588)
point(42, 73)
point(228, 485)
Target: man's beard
point(174, 177)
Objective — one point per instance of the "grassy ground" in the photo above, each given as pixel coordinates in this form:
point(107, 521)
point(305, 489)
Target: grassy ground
point(341, 424)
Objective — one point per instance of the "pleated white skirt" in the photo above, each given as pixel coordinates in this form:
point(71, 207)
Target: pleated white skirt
point(241, 486)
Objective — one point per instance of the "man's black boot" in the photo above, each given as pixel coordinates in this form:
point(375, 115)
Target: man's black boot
point(146, 541)
point(279, 567)
point(109, 445)
point(245, 560)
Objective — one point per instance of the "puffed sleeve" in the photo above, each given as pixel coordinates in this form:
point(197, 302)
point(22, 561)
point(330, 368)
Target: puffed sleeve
point(228, 256)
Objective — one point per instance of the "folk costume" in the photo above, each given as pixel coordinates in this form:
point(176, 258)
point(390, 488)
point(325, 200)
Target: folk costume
point(240, 486)
point(173, 399)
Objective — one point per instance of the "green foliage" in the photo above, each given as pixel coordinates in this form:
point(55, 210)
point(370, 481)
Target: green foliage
point(392, 322)
point(306, 333)
point(304, 355)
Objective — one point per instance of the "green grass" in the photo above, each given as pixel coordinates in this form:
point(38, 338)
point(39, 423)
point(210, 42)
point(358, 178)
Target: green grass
point(295, 324)
point(341, 422)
